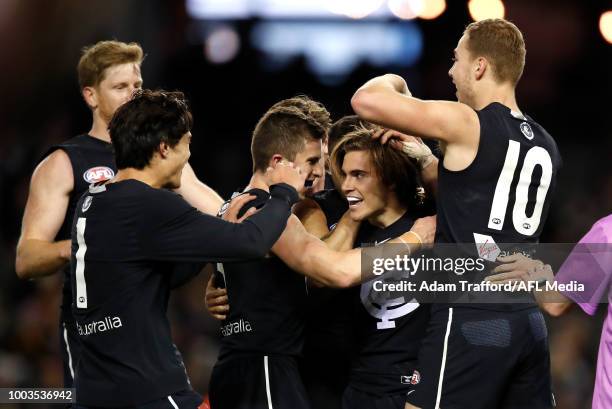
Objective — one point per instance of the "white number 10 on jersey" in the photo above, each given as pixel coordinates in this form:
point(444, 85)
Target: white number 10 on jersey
point(523, 224)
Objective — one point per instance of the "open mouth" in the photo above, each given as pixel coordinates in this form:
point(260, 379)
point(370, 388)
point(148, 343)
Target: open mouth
point(308, 183)
point(353, 201)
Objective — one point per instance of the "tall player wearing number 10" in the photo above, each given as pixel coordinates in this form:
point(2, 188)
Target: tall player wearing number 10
point(495, 182)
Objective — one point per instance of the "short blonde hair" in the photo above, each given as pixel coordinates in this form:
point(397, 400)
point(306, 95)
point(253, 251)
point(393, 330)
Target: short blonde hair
point(502, 44)
point(95, 59)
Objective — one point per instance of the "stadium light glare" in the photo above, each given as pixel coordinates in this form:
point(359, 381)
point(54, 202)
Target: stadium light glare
point(222, 45)
point(483, 9)
point(406, 9)
point(605, 26)
point(432, 9)
point(354, 8)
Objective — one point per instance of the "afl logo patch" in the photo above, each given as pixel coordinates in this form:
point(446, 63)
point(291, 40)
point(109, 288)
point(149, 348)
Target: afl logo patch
point(526, 130)
point(98, 174)
point(86, 203)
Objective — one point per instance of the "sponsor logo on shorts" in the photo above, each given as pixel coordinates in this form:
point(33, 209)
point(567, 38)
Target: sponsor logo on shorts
point(412, 380)
point(98, 174)
point(236, 327)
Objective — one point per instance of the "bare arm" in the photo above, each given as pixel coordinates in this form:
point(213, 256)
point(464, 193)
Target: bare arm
point(386, 101)
point(341, 238)
point(518, 267)
point(324, 265)
point(197, 194)
point(312, 217)
point(38, 254)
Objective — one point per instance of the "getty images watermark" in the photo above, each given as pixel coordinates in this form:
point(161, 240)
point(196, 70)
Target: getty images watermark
point(471, 273)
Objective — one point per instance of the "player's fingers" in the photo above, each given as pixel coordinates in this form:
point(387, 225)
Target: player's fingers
point(221, 300)
point(396, 144)
point(507, 259)
point(235, 205)
point(248, 213)
point(378, 133)
point(219, 316)
point(503, 268)
point(210, 298)
point(215, 293)
point(505, 276)
point(386, 136)
point(219, 309)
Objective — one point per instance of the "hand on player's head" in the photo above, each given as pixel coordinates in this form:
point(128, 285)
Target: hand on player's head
point(286, 172)
point(410, 145)
point(236, 204)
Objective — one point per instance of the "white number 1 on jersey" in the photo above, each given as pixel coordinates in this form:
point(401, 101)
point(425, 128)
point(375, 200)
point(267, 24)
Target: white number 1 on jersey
point(81, 286)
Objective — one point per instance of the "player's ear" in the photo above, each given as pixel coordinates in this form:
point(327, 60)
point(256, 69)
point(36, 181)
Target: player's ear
point(275, 159)
point(163, 149)
point(481, 65)
point(90, 96)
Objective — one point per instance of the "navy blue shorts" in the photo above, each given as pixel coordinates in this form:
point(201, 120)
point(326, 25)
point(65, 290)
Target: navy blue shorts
point(257, 382)
point(482, 359)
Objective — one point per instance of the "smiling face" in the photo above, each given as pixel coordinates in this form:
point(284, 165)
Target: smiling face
point(177, 157)
point(365, 192)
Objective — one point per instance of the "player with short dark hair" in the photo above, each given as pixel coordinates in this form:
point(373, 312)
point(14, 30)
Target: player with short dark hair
point(494, 186)
point(131, 237)
point(262, 335)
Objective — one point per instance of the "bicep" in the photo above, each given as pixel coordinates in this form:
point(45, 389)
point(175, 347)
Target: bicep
point(48, 198)
point(312, 218)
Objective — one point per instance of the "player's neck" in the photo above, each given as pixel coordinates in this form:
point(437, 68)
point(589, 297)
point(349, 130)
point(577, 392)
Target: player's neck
point(503, 94)
point(389, 215)
point(145, 175)
point(99, 129)
point(258, 181)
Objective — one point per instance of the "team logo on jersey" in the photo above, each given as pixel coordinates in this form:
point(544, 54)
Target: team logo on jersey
point(87, 203)
point(526, 130)
point(384, 306)
point(98, 174)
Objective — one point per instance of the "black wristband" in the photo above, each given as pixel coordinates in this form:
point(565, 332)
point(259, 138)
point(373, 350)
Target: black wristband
point(285, 192)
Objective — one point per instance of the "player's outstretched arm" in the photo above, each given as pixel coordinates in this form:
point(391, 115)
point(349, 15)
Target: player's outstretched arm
point(386, 101)
point(176, 231)
point(306, 254)
point(37, 253)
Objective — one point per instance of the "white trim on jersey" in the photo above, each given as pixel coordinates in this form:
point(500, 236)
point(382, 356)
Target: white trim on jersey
point(81, 285)
point(68, 350)
point(444, 351)
point(268, 394)
point(174, 405)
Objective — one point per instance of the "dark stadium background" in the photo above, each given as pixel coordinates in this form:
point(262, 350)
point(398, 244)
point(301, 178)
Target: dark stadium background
point(566, 87)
